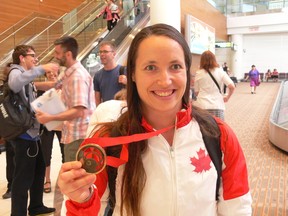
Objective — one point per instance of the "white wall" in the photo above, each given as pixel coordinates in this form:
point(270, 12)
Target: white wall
point(263, 23)
point(224, 55)
point(266, 51)
point(264, 42)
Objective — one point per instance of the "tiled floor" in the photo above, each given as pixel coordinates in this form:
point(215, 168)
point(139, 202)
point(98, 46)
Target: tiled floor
point(48, 198)
point(248, 115)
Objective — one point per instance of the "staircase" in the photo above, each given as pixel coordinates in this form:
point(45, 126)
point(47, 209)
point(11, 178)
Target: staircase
point(28, 28)
point(74, 23)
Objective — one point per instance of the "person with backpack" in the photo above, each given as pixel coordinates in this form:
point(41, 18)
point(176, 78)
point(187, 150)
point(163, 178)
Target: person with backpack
point(158, 157)
point(29, 168)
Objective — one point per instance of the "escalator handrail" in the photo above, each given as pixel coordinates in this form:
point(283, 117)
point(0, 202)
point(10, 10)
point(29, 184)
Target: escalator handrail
point(90, 46)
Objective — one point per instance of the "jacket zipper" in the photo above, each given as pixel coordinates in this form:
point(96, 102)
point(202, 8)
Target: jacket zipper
point(173, 174)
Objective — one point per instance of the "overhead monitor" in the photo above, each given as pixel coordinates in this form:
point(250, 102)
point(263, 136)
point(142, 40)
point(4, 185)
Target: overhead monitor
point(223, 44)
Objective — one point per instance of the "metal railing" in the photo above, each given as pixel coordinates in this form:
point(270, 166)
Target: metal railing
point(12, 29)
point(82, 26)
point(122, 34)
point(22, 34)
point(68, 24)
point(249, 7)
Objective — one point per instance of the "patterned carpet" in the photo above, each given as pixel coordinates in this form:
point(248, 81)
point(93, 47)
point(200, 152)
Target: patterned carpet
point(248, 115)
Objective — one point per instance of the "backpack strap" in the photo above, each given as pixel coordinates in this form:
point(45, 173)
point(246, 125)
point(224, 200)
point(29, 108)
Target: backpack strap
point(26, 87)
point(212, 145)
point(121, 70)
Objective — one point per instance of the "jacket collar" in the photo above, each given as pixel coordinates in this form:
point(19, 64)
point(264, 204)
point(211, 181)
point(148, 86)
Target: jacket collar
point(183, 117)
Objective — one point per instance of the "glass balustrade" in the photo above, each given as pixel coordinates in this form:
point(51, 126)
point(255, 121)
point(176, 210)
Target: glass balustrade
point(121, 34)
point(249, 7)
point(33, 33)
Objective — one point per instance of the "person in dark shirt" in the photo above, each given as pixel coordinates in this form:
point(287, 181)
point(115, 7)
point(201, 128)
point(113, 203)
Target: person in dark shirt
point(226, 69)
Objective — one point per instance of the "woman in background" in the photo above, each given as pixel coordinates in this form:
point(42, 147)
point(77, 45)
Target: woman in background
point(254, 77)
point(47, 137)
point(207, 90)
point(111, 11)
point(268, 75)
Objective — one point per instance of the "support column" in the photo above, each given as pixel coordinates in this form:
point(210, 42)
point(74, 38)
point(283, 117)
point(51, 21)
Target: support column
point(168, 12)
point(237, 56)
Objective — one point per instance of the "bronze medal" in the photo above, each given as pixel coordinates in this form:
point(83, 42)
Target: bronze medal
point(92, 157)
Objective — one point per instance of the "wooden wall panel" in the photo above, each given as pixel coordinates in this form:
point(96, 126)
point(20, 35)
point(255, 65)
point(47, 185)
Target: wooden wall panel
point(205, 12)
point(13, 11)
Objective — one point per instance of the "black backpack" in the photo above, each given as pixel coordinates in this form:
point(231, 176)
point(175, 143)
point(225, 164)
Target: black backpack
point(16, 116)
point(213, 147)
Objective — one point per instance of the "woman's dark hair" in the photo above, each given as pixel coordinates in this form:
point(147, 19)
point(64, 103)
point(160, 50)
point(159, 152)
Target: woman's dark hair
point(134, 176)
point(133, 99)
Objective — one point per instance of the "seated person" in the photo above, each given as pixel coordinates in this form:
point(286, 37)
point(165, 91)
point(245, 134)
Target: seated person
point(268, 75)
point(274, 75)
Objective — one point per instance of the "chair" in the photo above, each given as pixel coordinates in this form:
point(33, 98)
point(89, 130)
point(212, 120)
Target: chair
point(282, 76)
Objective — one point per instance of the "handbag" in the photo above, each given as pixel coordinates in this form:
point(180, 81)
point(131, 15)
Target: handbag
point(105, 14)
point(214, 80)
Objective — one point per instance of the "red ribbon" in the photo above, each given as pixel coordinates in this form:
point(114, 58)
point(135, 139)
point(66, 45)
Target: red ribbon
point(123, 140)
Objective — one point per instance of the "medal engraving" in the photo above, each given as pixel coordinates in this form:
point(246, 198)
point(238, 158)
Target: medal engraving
point(90, 165)
point(92, 157)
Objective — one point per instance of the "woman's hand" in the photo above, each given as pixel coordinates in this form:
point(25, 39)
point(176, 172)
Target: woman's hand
point(75, 182)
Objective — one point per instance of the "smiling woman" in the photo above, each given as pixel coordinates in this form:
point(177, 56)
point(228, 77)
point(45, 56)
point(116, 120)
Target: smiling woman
point(161, 63)
point(174, 166)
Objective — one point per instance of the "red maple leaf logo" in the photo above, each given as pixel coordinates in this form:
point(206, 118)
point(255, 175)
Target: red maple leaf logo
point(202, 163)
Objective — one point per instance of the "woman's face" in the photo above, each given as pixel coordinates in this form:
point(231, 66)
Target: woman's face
point(51, 75)
point(160, 74)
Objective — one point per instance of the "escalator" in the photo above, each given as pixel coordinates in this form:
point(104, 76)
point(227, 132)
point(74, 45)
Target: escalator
point(82, 26)
point(122, 35)
point(88, 31)
point(69, 24)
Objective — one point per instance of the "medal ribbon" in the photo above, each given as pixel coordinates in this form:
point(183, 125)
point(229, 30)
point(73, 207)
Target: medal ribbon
point(122, 140)
point(183, 117)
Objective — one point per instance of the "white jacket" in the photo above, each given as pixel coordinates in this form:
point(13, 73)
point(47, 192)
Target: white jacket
point(181, 179)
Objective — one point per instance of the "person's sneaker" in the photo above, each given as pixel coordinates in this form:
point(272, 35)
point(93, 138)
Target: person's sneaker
point(7, 195)
point(42, 211)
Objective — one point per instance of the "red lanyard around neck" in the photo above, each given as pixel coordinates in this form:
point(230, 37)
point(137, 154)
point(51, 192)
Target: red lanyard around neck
point(91, 150)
